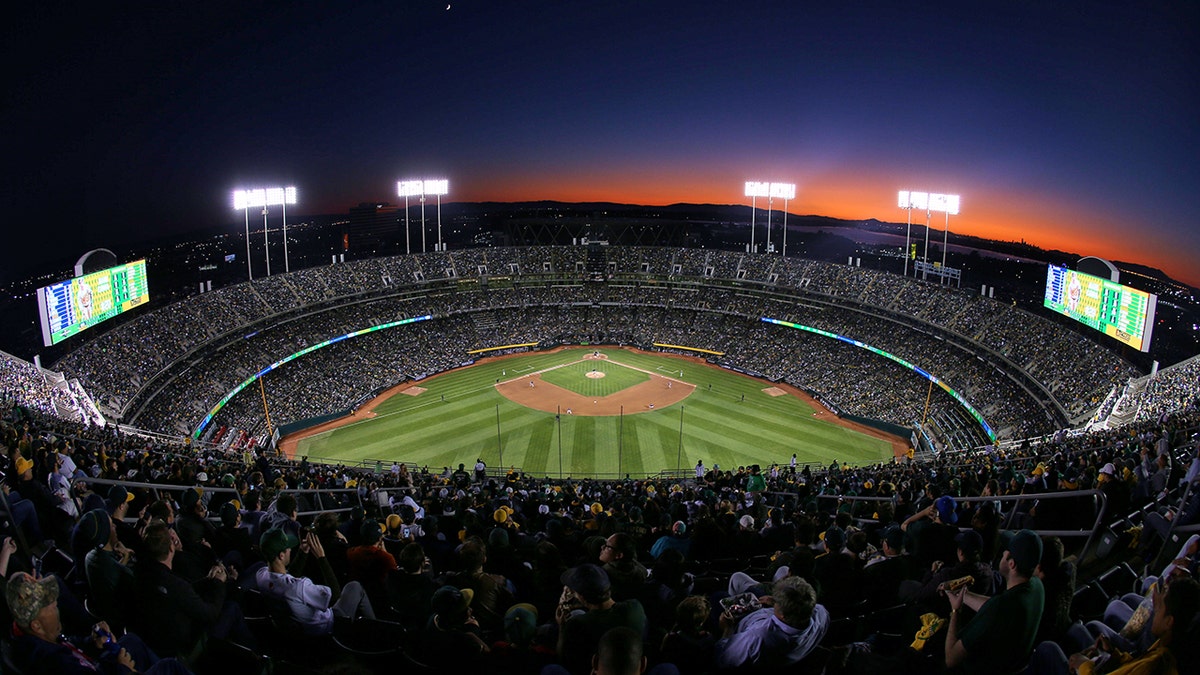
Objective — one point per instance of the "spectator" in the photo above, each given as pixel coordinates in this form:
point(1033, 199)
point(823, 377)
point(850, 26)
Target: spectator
point(884, 576)
point(1000, 637)
point(689, 646)
point(410, 589)
point(931, 532)
point(1175, 608)
point(313, 606)
point(452, 638)
point(110, 580)
point(170, 614)
point(491, 594)
point(619, 555)
point(677, 539)
point(780, 634)
point(586, 611)
point(39, 645)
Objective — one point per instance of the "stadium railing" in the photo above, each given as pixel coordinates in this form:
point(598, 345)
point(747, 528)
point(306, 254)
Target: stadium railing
point(324, 497)
point(1100, 498)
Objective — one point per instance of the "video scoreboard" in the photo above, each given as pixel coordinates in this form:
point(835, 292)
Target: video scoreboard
point(74, 305)
point(1116, 310)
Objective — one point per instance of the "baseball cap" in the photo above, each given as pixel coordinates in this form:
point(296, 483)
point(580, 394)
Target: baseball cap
point(946, 508)
point(94, 528)
point(394, 521)
point(229, 514)
point(371, 532)
point(188, 498)
point(969, 541)
point(520, 622)
point(448, 600)
point(23, 465)
point(894, 536)
point(1109, 469)
point(117, 496)
point(28, 596)
point(679, 527)
point(588, 580)
point(1024, 548)
point(275, 541)
point(835, 539)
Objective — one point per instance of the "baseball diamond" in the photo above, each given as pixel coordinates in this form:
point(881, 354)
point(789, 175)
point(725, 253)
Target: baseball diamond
point(634, 420)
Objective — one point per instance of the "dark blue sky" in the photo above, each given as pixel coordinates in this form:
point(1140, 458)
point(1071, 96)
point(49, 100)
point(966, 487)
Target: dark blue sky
point(1068, 124)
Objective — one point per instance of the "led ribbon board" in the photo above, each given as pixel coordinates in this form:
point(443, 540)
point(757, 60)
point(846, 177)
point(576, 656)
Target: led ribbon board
point(74, 305)
point(875, 350)
point(1120, 312)
point(303, 352)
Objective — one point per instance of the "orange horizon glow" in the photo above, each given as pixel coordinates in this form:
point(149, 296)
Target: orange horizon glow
point(1040, 220)
point(1045, 221)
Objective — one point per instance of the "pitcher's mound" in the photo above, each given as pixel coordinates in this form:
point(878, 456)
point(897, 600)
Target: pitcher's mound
point(413, 391)
point(774, 391)
point(595, 374)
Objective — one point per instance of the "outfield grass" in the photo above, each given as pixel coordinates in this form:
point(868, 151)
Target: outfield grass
point(728, 420)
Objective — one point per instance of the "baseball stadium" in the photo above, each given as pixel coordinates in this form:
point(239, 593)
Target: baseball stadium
point(762, 418)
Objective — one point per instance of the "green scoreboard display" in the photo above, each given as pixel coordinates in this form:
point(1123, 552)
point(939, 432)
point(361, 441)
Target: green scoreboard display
point(74, 305)
point(1120, 312)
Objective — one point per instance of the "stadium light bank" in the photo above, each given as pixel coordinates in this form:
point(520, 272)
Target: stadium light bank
point(422, 188)
point(243, 200)
point(928, 202)
point(784, 191)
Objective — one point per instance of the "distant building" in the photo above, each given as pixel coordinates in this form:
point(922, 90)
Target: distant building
point(376, 228)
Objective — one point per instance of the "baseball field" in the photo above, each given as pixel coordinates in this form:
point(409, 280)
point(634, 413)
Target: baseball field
point(601, 412)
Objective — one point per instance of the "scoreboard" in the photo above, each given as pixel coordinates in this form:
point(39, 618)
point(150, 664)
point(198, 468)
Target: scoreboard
point(69, 307)
point(1120, 312)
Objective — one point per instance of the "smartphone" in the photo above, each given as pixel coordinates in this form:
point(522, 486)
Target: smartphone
point(738, 605)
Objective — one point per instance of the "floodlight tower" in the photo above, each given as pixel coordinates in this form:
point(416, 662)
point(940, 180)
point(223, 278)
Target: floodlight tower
point(241, 202)
point(406, 189)
point(754, 190)
point(786, 191)
point(949, 205)
point(908, 202)
point(264, 197)
point(266, 243)
point(438, 187)
point(288, 197)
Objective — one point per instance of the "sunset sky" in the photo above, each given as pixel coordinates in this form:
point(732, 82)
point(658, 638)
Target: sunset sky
point(1070, 124)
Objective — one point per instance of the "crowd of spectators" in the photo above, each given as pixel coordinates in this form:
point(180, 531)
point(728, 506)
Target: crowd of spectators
point(118, 364)
point(472, 566)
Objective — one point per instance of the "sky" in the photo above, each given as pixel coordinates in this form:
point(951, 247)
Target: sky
point(1069, 124)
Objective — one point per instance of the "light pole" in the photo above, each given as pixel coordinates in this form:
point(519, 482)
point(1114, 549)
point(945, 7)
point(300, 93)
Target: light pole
point(787, 192)
point(438, 187)
point(754, 190)
point(406, 189)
